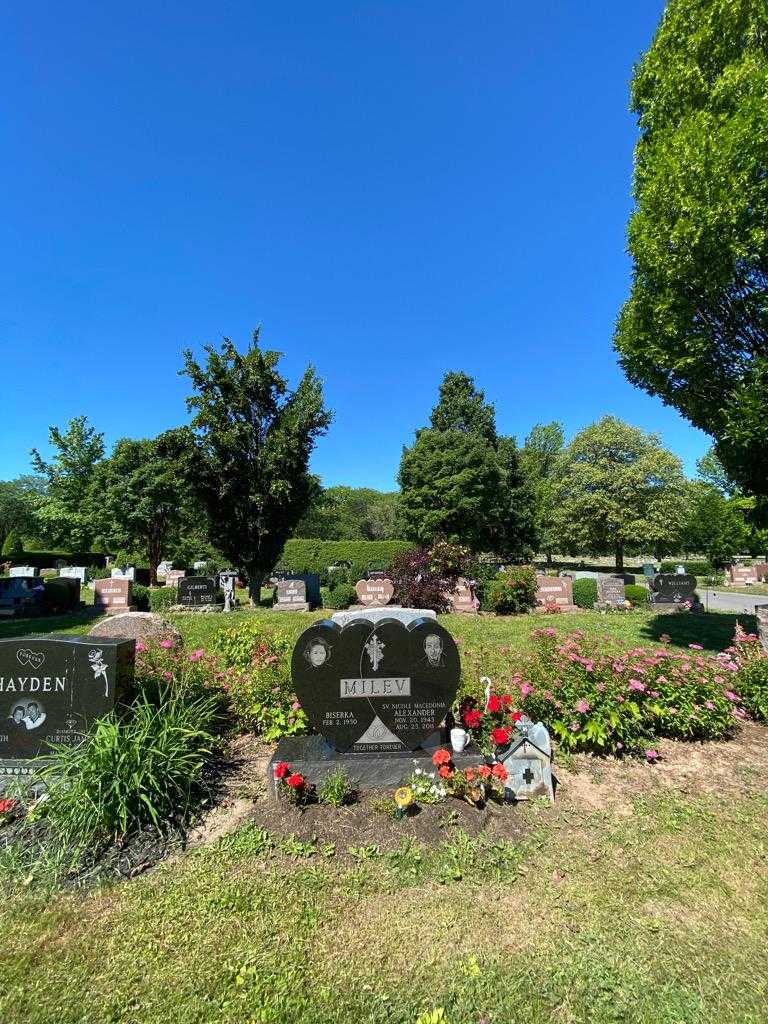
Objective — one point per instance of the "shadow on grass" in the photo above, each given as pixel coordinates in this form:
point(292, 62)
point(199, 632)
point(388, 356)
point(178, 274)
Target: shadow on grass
point(73, 622)
point(713, 630)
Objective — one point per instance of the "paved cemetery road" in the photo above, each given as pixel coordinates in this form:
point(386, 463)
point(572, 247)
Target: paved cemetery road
point(727, 601)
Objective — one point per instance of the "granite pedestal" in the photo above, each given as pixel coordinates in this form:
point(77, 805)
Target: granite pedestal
point(315, 759)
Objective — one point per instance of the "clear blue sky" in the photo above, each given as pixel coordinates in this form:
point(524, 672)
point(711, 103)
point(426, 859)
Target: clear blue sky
point(390, 189)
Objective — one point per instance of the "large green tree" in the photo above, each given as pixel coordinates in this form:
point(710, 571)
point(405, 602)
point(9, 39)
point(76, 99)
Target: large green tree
point(539, 460)
point(64, 512)
point(715, 526)
point(19, 500)
point(618, 490)
point(351, 513)
point(695, 328)
point(138, 499)
point(461, 481)
point(253, 440)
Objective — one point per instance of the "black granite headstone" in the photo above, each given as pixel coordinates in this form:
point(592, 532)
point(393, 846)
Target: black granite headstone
point(22, 595)
point(672, 588)
point(380, 686)
point(52, 689)
point(197, 590)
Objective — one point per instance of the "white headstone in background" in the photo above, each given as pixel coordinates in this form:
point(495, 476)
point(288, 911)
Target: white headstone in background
point(22, 570)
point(128, 573)
point(74, 572)
point(199, 565)
point(164, 568)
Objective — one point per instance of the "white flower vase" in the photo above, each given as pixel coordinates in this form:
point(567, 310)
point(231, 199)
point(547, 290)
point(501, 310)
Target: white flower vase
point(459, 739)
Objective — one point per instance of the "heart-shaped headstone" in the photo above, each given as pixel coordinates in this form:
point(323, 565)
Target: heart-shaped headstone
point(347, 678)
point(374, 593)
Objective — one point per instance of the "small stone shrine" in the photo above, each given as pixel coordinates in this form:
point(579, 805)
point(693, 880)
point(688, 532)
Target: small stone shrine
point(462, 598)
point(742, 575)
point(113, 595)
point(377, 690)
point(374, 593)
point(555, 592)
point(199, 593)
point(528, 760)
point(52, 689)
point(22, 570)
point(669, 590)
point(610, 589)
point(290, 596)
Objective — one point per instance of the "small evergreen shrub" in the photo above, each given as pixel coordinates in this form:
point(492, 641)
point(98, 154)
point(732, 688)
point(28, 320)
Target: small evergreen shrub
point(636, 594)
point(13, 544)
point(585, 592)
point(341, 596)
point(513, 591)
point(161, 598)
point(140, 597)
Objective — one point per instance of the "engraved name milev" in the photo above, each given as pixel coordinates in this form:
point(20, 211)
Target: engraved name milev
point(395, 686)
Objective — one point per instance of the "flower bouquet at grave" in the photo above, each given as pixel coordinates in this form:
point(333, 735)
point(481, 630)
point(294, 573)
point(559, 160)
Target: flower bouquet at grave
point(426, 787)
point(293, 786)
point(491, 726)
point(473, 783)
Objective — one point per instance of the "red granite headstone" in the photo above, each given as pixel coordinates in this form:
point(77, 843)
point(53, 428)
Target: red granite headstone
point(762, 571)
point(173, 576)
point(112, 595)
point(555, 591)
point(743, 574)
point(374, 593)
point(462, 598)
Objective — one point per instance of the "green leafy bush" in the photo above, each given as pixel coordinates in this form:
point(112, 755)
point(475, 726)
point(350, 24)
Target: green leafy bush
point(141, 768)
point(751, 680)
point(140, 597)
point(585, 592)
point(341, 596)
point(259, 689)
point(13, 544)
point(696, 567)
point(316, 555)
point(161, 598)
point(636, 594)
point(512, 591)
point(336, 788)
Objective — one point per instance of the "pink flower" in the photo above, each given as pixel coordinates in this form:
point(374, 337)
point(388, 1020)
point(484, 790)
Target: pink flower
point(731, 696)
point(696, 647)
point(635, 684)
point(619, 698)
point(295, 706)
point(140, 646)
point(582, 706)
point(709, 704)
point(166, 644)
point(574, 726)
point(525, 689)
point(197, 655)
point(651, 756)
point(168, 676)
point(588, 665)
point(619, 745)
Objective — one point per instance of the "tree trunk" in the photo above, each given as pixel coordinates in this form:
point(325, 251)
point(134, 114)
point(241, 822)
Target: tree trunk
point(619, 558)
point(255, 577)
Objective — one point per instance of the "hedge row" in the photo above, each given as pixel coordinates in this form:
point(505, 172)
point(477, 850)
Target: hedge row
point(48, 559)
point(694, 567)
point(317, 555)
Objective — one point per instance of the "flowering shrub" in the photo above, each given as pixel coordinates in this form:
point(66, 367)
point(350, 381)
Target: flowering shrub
point(751, 681)
point(259, 688)
point(513, 591)
point(165, 670)
point(292, 785)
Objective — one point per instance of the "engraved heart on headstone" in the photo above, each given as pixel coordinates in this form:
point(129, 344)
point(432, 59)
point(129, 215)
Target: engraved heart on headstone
point(347, 678)
point(375, 593)
point(32, 658)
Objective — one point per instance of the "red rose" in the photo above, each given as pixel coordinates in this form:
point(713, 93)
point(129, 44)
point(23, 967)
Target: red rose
point(281, 769)
point(441, 757)
point(500, 737)
point(494, 704)
point(444, 771)
point(472, 719)
point(516, 716)
point(500, 772)
point(295, 781)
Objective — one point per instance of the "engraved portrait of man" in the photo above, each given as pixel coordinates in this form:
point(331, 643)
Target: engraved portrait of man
point(433, 649)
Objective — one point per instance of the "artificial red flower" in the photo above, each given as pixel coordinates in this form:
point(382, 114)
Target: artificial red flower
point(7, 805)
point(473, 718)
point(444, 771)
point(441, 757)
point(500, 737)
point(484, 771)
point(500, 772)
point(295, 781)
point(281, 769)
point(506, 700)
point(494, 704)
point(516, 716)
point(469, 774)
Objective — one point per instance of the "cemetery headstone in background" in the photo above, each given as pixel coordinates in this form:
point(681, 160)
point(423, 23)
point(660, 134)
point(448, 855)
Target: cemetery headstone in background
point(112, 595)
point(74, 572)
point(53, 689)
point(22, 570)
point(164, 568)
point(374, 593)
point(173, 576)
point(743, 575)
point(125, 572)
point(610, 589)
point(761, 568)
point(462, 598)
point(22, 595)
point(555, 591)
point(291, 596)
point(672, 589)
point(198, 591)
point(649, 569)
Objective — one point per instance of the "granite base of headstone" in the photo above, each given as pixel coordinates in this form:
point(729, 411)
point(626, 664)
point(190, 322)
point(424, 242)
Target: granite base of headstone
point(761, 614)
point(52, 690)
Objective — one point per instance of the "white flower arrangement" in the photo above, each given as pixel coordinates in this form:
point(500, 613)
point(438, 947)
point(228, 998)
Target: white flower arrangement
point(426, 787)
